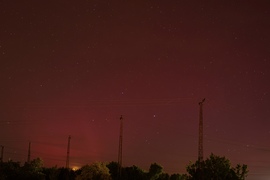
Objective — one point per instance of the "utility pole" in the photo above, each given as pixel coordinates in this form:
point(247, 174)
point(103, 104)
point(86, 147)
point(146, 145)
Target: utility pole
point(200, 150)
point(120, 148)
point(29, 153)
point(68, 147)
point(2, 154)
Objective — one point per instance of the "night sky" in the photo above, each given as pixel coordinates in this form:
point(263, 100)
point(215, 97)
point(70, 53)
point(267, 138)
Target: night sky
point(74, 67)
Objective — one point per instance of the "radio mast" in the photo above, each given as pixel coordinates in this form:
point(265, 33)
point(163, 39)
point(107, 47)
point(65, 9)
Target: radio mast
point(29, 153)
point(200, 149)
point(120, 148)
point(68, 147)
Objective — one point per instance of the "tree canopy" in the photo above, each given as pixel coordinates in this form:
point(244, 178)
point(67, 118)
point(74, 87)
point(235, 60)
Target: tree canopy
point(216, 168)
point(213, 168)
point(95, 171)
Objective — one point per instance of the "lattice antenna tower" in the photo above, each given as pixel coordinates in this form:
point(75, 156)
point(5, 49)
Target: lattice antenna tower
point(200, 149)
point(68, 149)
point(29, 153)
point(120, 148)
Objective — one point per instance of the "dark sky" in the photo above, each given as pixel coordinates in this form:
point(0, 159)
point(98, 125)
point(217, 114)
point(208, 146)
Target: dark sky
point(74, 67)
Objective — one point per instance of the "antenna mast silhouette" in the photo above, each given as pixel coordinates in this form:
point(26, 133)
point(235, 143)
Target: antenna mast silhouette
point(68, 147)
point(120, 148)
point(200, 150)
point(29, 153)
point(2, 154)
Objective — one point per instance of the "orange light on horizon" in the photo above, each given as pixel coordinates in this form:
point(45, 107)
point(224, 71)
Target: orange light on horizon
point(75, 168)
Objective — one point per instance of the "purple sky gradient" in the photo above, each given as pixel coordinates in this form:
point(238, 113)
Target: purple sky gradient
point(72, 68)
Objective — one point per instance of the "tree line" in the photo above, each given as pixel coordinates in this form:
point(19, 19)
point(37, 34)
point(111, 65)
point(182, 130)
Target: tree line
point(213, 168)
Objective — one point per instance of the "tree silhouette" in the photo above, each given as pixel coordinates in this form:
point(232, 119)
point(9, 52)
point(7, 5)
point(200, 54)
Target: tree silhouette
point(133, 173)
point(95, 171)
point(113, 169)
point(218, 168)
point(155, 171)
